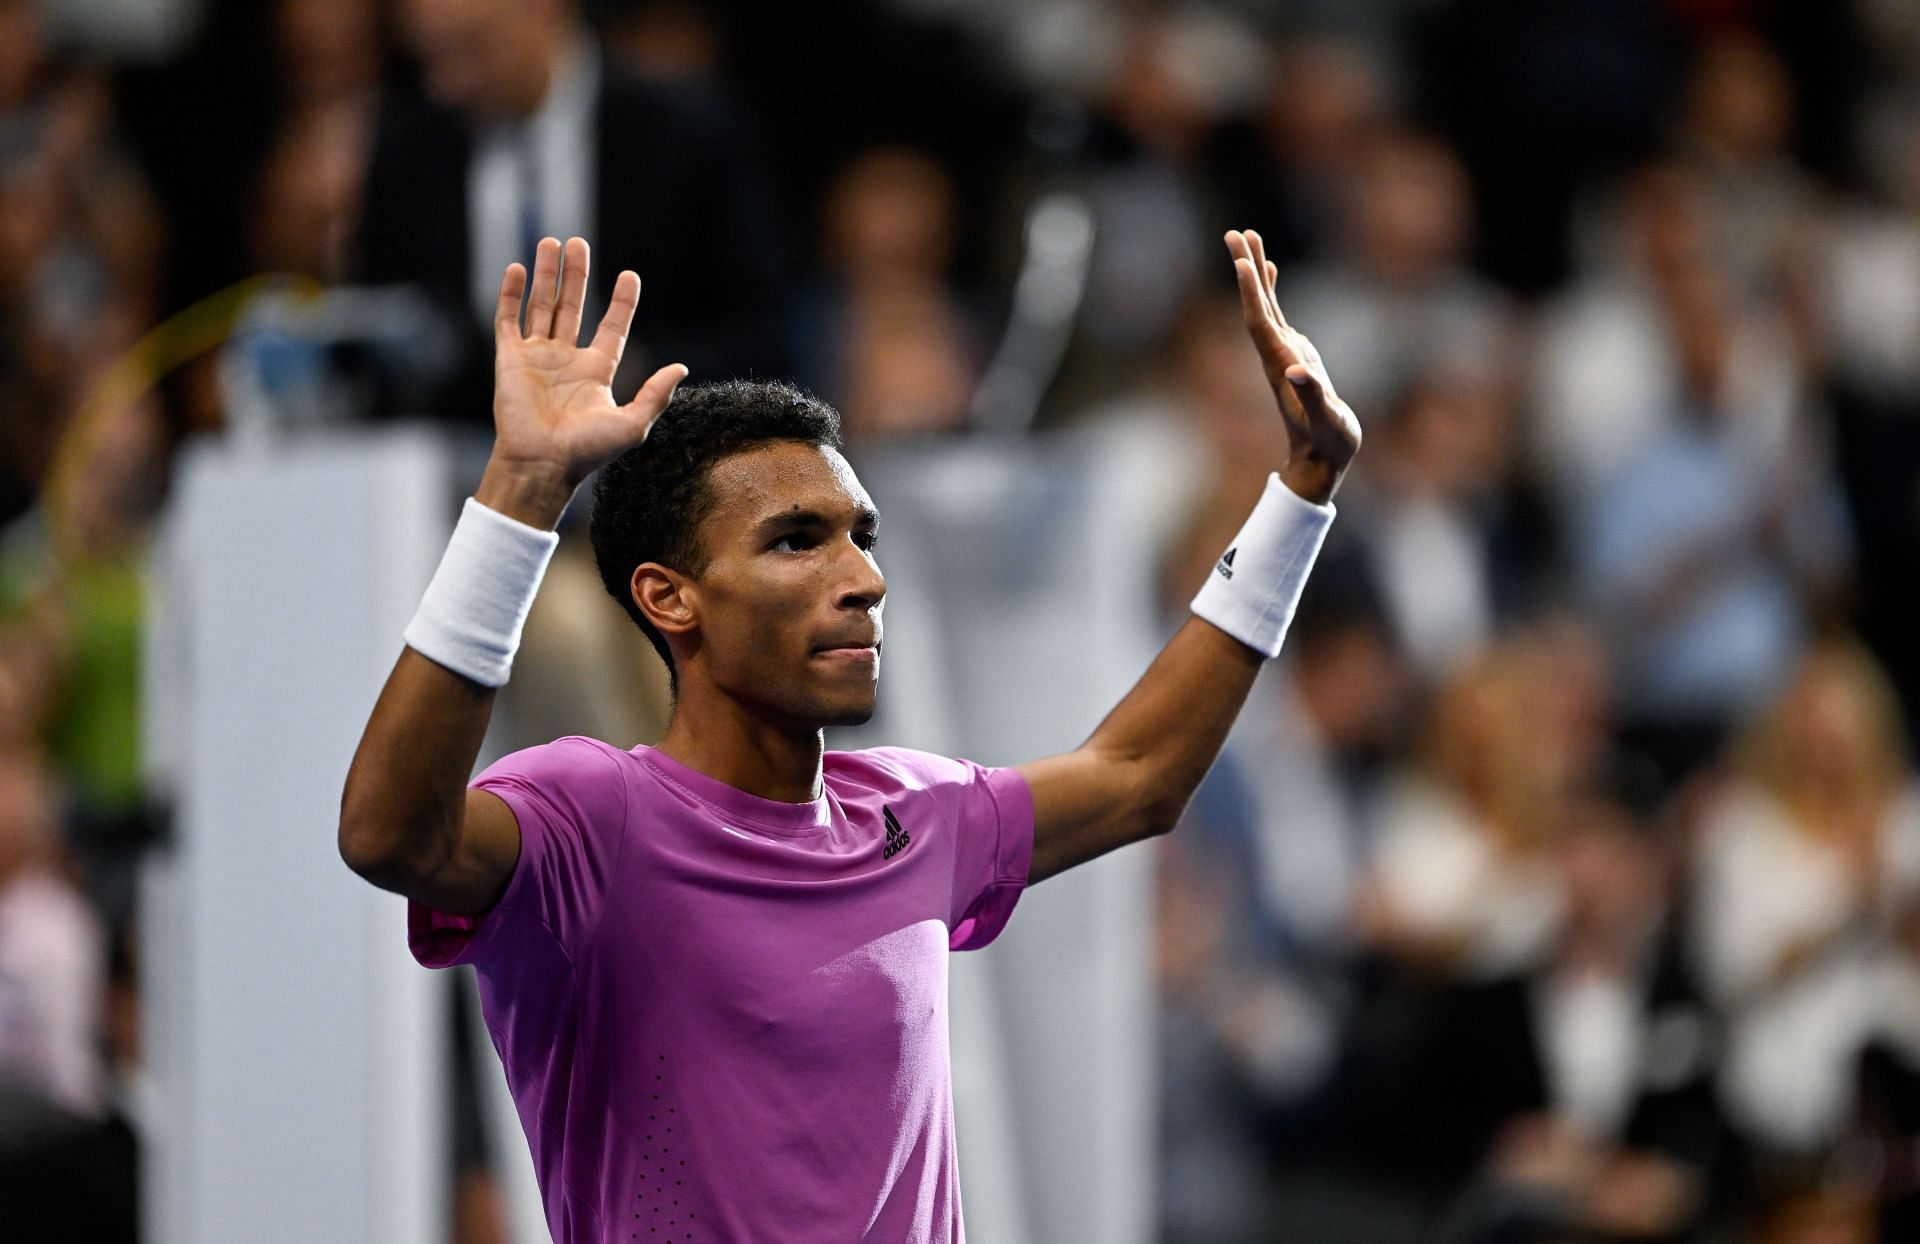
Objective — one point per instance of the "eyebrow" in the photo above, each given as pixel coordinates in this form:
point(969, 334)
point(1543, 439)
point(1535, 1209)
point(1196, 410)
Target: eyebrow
point(864, 518)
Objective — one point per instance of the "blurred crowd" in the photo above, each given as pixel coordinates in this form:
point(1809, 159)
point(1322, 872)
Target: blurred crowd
point(1561, 883)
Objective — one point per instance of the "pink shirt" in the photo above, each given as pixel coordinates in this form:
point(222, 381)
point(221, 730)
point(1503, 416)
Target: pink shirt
point(725, 1018)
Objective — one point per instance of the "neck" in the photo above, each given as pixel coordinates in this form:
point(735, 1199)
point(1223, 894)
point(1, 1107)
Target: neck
point(716, 735)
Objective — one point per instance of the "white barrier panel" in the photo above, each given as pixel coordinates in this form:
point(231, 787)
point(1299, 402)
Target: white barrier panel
point(295, 1048)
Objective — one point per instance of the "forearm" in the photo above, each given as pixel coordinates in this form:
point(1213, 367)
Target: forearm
point(1134, 776)
point(403, 807)
point(1168, 730)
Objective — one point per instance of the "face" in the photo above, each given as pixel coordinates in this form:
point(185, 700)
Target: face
point(486, 58)
point(787, 610)
point(1830, 727)
point(329, 47)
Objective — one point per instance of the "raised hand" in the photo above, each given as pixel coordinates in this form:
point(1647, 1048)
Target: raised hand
point(554, 417)
point(1322, 432)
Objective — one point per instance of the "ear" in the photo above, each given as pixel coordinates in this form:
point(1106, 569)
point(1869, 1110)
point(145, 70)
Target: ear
point(665, 597)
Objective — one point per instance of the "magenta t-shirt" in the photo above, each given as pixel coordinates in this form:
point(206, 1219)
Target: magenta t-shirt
point(725, 1018)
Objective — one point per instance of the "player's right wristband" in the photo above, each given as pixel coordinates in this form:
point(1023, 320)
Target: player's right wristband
point(1256, 584)
point(472, 614)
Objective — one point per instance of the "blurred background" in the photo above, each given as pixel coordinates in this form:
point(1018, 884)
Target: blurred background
point(1561, 883)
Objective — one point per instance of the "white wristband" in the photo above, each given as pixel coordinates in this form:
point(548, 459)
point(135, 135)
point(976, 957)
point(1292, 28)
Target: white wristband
point(1255, 585)
point(471, 616)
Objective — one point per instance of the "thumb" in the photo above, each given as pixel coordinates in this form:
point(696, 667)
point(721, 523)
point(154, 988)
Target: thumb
point(651, 401)
point(1307, 388)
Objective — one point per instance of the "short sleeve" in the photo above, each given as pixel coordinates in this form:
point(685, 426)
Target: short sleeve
point(990, 815)
point(570, 800)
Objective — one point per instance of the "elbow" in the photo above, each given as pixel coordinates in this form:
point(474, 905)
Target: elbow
point(1156, 800)
point(1161, 818)
point(379, 858)
point(364, 849)
point(1159, 809)
point(369, 844)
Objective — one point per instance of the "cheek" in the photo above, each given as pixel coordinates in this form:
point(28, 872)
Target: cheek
point(763, 626)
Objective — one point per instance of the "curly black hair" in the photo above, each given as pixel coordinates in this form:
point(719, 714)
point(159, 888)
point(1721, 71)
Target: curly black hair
point(649, 502)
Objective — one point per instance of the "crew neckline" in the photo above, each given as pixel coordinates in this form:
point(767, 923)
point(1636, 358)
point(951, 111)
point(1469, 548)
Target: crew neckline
point(792, 820)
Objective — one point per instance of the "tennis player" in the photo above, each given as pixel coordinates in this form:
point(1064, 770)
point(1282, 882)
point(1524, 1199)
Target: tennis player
point(715, 969)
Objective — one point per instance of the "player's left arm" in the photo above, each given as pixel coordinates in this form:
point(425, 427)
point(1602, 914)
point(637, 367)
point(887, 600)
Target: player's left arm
point(1132, 779)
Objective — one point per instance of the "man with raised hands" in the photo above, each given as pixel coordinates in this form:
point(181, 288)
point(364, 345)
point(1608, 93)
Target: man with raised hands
point(715, 968)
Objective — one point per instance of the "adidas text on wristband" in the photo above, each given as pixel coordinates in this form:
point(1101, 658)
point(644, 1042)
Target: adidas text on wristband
point(1255, 586)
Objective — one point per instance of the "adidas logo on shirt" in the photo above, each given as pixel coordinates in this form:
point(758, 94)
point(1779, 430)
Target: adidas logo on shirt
point(1225, 564)
point(897, 839)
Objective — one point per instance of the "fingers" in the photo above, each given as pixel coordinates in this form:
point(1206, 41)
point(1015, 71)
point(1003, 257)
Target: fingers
point(506, 313)
point(1269, 271)
point(611, 338)
point(1238, 246)
point(1253, 308)
point(1275, 353)
point(654, 395)
point(573, 291)
point(1246, 244)
point(546, 288)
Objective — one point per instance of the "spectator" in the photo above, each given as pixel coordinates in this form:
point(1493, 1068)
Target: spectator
point(1860, 285)
point(1461, 881)
point(1326, 94)
point(1257, 915)
point(1612, 371)
point(1157, 107)
point(1453, 538)
point(884, 335)
point(526, 131)
point(1735, 127)
point(1395, 302)
point(1460, 906)
point(1706, 551)
point(52, 956)
point(1801, 859)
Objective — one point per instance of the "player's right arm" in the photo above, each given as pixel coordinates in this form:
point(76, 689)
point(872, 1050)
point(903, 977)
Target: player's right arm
point(408, 821)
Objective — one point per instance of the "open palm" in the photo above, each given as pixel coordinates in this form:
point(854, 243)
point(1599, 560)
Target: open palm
point(553, 406)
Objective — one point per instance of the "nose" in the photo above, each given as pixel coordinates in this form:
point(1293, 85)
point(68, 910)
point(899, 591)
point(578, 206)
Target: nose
point(864, 585)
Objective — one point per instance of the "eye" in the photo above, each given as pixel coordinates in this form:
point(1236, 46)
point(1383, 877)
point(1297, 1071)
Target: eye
point(793, 542)
point(866, 540)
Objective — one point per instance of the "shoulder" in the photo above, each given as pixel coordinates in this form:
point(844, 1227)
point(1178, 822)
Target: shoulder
point(569, 761)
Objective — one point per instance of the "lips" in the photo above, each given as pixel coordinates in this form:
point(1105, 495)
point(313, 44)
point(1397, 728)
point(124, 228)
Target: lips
point(854, 646)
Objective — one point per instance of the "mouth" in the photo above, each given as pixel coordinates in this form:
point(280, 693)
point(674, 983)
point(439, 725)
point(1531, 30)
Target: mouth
point(857, 651)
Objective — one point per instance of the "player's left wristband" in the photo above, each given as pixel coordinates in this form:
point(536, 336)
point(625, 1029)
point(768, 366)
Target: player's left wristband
point(476, 606)
point(1256, 584)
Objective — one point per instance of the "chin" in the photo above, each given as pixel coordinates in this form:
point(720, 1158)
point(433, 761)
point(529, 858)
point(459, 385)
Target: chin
point(821, 707)
point(848, 715)
point(839, 702)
